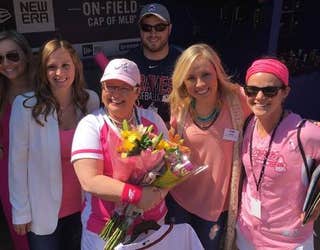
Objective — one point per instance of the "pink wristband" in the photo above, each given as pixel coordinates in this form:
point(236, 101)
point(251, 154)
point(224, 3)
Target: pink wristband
point(131, 194)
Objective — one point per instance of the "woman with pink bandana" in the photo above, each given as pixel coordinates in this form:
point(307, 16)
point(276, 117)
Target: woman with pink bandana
point(276, 181)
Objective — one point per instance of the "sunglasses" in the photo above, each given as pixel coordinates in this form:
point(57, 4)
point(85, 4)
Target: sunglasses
point(11, 56)
point(158, 27)
point(269, 91)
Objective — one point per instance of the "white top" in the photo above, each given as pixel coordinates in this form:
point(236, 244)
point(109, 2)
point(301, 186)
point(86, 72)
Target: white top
point(35, 178)
point(178, 236)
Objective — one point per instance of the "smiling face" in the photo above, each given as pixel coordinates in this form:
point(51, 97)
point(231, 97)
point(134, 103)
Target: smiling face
point(153, 40)
point(261, 105)
point(201, 81)
point(12, 69)
point(119, 98)
point(60, 70)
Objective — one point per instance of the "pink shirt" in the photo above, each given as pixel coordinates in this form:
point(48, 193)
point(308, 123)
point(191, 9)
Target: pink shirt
point(71, 189)
point(206, 194)
point(91, 140)
point(283, 186)
point(4, 142)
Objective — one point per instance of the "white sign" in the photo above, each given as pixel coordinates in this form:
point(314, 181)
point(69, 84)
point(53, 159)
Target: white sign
point(34, 16)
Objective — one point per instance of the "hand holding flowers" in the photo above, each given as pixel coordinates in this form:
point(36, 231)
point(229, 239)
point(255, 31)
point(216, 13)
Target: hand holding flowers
point(145, 159)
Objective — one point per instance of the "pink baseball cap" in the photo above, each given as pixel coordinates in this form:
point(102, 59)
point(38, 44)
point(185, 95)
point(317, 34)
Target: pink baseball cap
point(122, 69)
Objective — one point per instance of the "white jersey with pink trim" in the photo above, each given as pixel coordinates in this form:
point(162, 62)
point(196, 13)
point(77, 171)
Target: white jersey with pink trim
point(270, 214)
point(91, 141)
point(179, 236)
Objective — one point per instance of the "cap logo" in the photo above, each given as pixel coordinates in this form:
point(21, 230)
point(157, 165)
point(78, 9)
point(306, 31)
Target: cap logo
point(123, 66)
point(152, 8)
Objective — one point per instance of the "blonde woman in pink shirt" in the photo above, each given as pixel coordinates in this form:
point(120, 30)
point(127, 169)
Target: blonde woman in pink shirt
point(276, 180)
point(208, 111)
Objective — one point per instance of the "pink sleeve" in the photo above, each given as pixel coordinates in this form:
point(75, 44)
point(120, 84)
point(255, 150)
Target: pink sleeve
point(310, 136)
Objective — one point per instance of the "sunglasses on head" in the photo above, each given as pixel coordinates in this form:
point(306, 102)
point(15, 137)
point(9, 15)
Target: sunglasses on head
point(269, 91)
point(158, 27)
point(12, 56)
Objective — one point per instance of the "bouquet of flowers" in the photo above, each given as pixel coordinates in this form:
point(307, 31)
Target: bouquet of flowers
point(143, 158)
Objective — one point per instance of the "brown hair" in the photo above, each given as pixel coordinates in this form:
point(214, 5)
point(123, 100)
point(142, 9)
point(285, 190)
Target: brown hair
point(46, 102)
point(23, 44)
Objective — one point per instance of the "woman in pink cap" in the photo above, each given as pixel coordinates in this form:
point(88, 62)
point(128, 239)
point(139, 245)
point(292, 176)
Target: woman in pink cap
point(91, 153)
point(276, 180)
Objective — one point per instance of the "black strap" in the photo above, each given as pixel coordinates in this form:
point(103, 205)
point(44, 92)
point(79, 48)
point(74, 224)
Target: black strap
point(258, 182)
point(302, 150)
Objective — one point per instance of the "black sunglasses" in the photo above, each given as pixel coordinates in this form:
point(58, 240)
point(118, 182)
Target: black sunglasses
point(269, 91)
point(12, 56)
point(158, 27)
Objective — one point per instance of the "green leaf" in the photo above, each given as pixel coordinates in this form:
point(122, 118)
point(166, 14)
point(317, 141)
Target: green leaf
point(156, 140)
point(125, 125)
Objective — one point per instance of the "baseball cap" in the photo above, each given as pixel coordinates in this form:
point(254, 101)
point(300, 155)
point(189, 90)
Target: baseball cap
point(155, 9)
point(122, 69)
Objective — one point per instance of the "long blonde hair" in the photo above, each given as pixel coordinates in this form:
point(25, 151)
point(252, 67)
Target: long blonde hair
point(179, 97)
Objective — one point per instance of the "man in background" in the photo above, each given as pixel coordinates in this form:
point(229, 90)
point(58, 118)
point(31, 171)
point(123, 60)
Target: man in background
point(155, 58)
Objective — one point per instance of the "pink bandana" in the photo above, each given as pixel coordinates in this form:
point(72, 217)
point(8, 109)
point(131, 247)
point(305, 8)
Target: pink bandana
point(272, 66)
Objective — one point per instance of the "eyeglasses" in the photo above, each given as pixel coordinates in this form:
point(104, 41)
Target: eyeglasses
point(269, 91)
point(113, 89)
point(12, 56)
point(158, 27)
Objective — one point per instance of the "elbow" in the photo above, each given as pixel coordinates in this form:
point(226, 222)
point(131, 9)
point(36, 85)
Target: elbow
point(86, 186)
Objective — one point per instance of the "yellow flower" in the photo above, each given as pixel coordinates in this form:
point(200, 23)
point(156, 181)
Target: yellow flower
point(131, 135)
point(130, 140)
point(163, 145)
point(128, 145)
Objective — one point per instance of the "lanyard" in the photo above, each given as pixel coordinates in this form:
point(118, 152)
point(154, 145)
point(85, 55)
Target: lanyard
point(258, 182)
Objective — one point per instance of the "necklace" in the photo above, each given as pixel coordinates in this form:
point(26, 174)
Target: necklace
point(206, 122)
point(133, 119)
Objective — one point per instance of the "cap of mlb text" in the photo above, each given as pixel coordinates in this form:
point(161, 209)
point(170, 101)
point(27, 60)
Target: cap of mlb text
point(122, 69)
point(155, 9)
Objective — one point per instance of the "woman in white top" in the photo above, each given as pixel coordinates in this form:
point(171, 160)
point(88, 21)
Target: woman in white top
point(44, 191)
point(91, 154)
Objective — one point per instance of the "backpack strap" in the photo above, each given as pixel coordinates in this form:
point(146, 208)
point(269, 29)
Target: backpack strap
point(237, 119)
point(246, 123)
point(302, 150)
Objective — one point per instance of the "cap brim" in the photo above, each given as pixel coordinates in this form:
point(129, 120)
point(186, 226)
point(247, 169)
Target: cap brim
point(153, 14)
point(123, 78)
